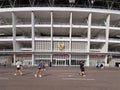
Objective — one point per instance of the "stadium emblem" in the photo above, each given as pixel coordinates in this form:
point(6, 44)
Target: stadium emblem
point(61, 45)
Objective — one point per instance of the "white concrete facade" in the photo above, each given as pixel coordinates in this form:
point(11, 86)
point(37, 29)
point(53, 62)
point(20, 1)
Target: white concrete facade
point(63, 35)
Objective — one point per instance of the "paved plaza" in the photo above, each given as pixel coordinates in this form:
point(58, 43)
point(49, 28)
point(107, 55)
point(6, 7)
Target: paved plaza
point(60, 78)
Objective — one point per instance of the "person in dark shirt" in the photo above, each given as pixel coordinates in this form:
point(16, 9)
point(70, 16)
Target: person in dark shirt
point(82, 69)
point(50, 64)
point(40, 69)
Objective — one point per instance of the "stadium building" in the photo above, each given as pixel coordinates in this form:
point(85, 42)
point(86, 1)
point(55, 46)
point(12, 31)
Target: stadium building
point(60, 31)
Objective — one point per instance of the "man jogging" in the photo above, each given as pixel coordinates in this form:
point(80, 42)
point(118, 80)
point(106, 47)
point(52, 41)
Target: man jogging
point(82, 69)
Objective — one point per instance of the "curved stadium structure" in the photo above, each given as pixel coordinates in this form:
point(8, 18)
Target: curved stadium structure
point(60, 31)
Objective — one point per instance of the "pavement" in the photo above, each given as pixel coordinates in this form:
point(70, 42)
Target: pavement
point(60, 78)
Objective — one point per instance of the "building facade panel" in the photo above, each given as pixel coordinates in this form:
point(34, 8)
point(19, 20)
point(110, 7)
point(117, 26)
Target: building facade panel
point(60, 36)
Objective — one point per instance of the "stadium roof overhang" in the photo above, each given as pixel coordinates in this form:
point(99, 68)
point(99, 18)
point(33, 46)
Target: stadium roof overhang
point(106, 4)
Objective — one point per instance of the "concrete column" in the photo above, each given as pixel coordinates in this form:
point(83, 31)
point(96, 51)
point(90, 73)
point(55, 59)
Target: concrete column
point(33, 35)
point(51, 31)
point(33, 29)
point(70, 36)
point(14, 35)
point(89, 37)
point(87, 62)
point(107, 37)
point(70, 33)
point(89, 30)
point(69, 59)
point(51, 57)
point(107, 32)
point(106, 57)
point(14, 58)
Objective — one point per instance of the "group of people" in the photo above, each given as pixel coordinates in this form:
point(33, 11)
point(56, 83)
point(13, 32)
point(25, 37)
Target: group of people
point(39, 72)
point(99, 65)
point(41, 68)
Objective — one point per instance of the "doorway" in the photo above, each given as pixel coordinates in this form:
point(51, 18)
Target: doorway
point(61, 62)
point(117, 64)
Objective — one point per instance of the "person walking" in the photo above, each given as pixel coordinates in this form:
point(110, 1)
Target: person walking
point(82, 69)
point(40, 69)
point(50, 64)
point(18, 68)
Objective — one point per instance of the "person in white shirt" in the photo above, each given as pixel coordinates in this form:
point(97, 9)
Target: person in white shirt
point(18, 68)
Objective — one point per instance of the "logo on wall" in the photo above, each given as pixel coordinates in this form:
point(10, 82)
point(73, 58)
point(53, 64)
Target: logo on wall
point(61, 45)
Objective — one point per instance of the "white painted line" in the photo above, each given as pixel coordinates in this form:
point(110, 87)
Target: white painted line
point(61, 75)
point(85, 79)
point(65, 75)
point(70, 75)
point(3, 78)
